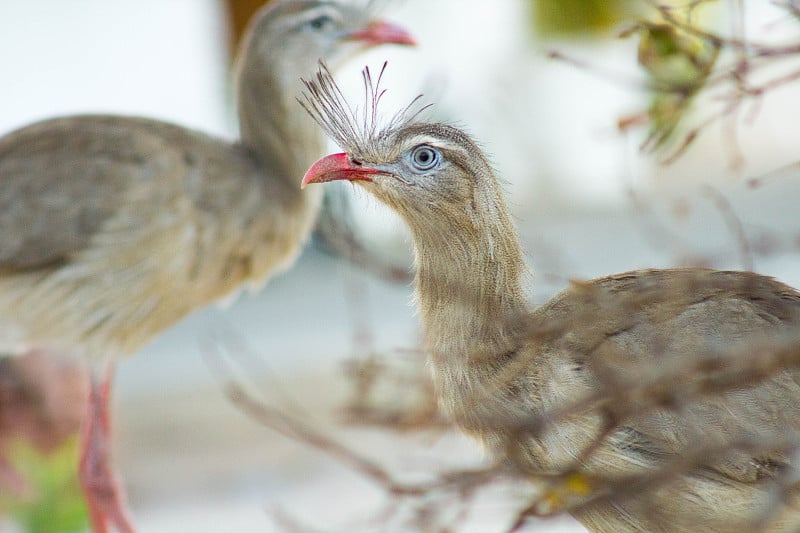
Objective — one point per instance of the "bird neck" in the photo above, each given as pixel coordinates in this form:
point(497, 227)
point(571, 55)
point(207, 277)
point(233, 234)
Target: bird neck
point(271, 123)
point(469, 286)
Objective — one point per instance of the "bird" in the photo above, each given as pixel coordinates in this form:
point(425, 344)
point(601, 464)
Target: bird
point(113, 228)
point(502, 366)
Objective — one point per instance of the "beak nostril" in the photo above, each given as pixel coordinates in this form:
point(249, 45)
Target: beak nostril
point(356, 162)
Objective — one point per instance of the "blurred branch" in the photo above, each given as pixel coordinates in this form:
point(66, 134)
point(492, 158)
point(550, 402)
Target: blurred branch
point(749, 48)
point(393, 393)
point(681, 61)
point(735, 224)
point(442, 501)
point(783, 171)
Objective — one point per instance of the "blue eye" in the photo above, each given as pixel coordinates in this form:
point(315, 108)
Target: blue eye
point(423, 157)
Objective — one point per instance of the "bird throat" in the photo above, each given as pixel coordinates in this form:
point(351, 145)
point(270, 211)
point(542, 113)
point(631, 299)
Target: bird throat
point(275, 127)
point(472, 306)
point(470, 292)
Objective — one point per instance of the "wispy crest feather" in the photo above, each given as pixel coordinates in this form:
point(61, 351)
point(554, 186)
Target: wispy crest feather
point(355, 130)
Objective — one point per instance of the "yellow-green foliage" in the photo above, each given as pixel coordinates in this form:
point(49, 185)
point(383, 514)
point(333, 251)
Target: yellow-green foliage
point(576, 18)
point(678, 65)
point(56, 502)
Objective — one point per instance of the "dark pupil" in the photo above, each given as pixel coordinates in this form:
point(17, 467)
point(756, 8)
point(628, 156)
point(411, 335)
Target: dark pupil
point(423, 157)
point(319, 22)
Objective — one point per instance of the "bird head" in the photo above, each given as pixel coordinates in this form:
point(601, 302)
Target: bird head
point(423, 170)
point(299, 32)
point(437, 179)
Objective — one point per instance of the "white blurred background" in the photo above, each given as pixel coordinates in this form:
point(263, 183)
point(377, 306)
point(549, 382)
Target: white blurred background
point(193, 463)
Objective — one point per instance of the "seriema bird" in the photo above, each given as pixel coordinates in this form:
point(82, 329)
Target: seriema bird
point(500, 366)
point(113, 228)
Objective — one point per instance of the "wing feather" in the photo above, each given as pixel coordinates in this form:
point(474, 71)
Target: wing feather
point(635, 328)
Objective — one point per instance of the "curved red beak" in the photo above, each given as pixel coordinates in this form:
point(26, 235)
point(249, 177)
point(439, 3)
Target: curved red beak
point(380, 32)
point(336, 167)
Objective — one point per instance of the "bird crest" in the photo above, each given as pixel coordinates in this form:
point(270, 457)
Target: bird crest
point(356, 130)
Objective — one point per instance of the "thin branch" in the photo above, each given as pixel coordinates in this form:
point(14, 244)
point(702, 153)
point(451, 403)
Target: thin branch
point(750, 48)
point(734, 223)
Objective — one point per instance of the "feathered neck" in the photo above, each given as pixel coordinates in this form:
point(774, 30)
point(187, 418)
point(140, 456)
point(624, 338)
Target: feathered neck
point(270, 121)
point(469, 282)
point(470, 273)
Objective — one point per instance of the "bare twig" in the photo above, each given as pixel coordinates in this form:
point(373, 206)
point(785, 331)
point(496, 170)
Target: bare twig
point(735, 81)
point(735, 224)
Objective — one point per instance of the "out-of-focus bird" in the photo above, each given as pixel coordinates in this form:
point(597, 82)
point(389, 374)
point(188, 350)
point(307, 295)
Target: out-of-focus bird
point(113, 228)
point(501, 367)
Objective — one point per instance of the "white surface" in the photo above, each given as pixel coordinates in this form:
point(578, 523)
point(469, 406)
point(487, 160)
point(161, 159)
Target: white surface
point(159, 59)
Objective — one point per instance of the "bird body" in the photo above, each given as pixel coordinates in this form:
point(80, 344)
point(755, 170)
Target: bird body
point(163, 221)
point(537, 385)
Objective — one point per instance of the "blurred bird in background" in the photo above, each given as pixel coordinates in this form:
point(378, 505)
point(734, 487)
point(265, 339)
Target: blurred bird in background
point(113, 228)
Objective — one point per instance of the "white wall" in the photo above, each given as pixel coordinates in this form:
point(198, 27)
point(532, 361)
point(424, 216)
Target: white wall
point(151, 57)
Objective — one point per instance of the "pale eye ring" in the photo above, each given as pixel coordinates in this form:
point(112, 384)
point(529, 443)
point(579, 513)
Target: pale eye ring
point(424, 157)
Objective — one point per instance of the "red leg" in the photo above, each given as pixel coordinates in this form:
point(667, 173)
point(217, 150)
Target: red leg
point(105, 498)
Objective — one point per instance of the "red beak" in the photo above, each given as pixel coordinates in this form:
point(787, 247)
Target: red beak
point(336, 167)
point(380, 32)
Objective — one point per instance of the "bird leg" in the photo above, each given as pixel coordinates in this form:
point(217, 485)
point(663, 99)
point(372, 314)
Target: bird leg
point(105, 497)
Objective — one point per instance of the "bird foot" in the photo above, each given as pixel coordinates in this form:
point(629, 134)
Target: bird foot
point(105, 497)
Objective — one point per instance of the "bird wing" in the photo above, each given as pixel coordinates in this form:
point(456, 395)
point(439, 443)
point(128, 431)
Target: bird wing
point(61, 180)
point(628, 330)
point(112, 228)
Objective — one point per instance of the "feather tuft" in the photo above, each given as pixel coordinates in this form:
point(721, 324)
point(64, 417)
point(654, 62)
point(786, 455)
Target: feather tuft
point(357, 131)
